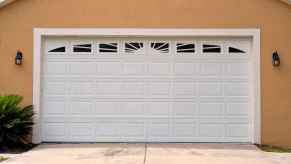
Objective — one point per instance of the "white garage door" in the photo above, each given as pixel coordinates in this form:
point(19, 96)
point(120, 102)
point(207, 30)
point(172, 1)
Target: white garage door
point(146, 89)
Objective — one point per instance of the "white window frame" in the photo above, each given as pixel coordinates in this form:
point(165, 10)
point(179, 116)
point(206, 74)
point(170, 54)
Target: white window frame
point(41, 33)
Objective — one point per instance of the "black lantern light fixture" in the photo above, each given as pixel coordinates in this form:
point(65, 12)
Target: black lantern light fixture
point(276, 59)
point(18, 58)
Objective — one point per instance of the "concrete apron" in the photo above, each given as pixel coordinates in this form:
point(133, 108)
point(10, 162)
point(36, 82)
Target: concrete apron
point(149, 154)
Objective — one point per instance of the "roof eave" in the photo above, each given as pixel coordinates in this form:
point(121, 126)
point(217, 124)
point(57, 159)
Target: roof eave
point(6, 2)
point(287, 1)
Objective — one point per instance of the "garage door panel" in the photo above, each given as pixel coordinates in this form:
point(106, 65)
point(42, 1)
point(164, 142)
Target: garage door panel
point(132, 128)
point(54, 132)
point(243, 45)
point(54, 88)
point(160, 89)
point(55, 119)
point(184, 69)
point(237, 69)
point(210, 69)
point(160, 68)
point(158, 128)
point(211, 129)
point(216, 99)
point(52, 44)
point(184, 109)
point(211, 109)
point(158, 108)
point(134, 68)
point(107, 128)
point(210, 89)
point(237, 99)
point(82, 68)
point(82, 131)
point(184, 89)
point(236, 89)
point(55, 68)
point(69, 118)
point(134, 88)
point(146, 90)
point(237, 108)
point(185, 128)
point(238, 130)
point(132, 108)
point(107, 108)
point(110, 68)
point(136, 131)
point(81, 107)
point(54, 106)
point(81, 87)
point(109, 88)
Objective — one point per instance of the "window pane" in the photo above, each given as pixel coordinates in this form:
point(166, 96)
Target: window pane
point(235, 50)
point(133, 47)
point(208, 48)
point(185, 48)
point(82, 48)
point(59, 49)
point(161, 47)
point(108, 47)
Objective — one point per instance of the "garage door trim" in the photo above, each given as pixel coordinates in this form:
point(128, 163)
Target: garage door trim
point(40, 33)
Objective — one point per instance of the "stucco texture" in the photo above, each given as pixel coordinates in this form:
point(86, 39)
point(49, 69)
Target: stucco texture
point(273, 17)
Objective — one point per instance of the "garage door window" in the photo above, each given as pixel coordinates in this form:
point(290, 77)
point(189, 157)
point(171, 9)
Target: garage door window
point(59, 49)
point(185, 48)
point(82, 48)
point(108, 47)
point(133, 47)
point(160, 47)
point(211, 48)
point(235, 50)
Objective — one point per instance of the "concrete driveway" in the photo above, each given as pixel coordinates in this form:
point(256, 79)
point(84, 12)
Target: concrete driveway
point(148, 154)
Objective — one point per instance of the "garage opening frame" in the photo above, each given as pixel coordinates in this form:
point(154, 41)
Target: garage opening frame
point(255, 78)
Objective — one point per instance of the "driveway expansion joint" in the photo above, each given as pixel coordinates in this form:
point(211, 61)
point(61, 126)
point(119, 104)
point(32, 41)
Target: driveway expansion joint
point(145, 153)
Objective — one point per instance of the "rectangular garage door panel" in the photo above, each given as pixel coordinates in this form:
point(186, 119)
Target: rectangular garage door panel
point(83, 68)
point(183, 128)
point(184, 69)
point(134, 68)
point(184, 109)
point(81, 107)
point(132, 109)
point(56, 107)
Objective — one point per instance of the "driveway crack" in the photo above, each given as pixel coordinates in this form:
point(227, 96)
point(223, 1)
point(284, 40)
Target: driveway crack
point(145, 153)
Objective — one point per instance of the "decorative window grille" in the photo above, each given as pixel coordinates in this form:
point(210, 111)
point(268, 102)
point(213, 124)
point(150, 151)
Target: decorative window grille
point(108, 47)
point(59, 49)
point(133, 47)
point(161, 47)
point(235, 50)
point(185, 48)
point(210, 48)
point(82, 48)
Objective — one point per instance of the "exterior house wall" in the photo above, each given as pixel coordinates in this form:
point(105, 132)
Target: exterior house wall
point(18, 19)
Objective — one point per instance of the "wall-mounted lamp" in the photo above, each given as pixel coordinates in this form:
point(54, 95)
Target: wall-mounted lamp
point(18, 58)
point(276, 59)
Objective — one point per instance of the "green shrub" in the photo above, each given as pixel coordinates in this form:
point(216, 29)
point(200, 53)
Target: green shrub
point(274, 149)
point(15, 122)
point(3, 158)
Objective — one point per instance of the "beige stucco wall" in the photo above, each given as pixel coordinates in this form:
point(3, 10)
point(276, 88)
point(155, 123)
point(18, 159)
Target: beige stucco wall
point(273, 17)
